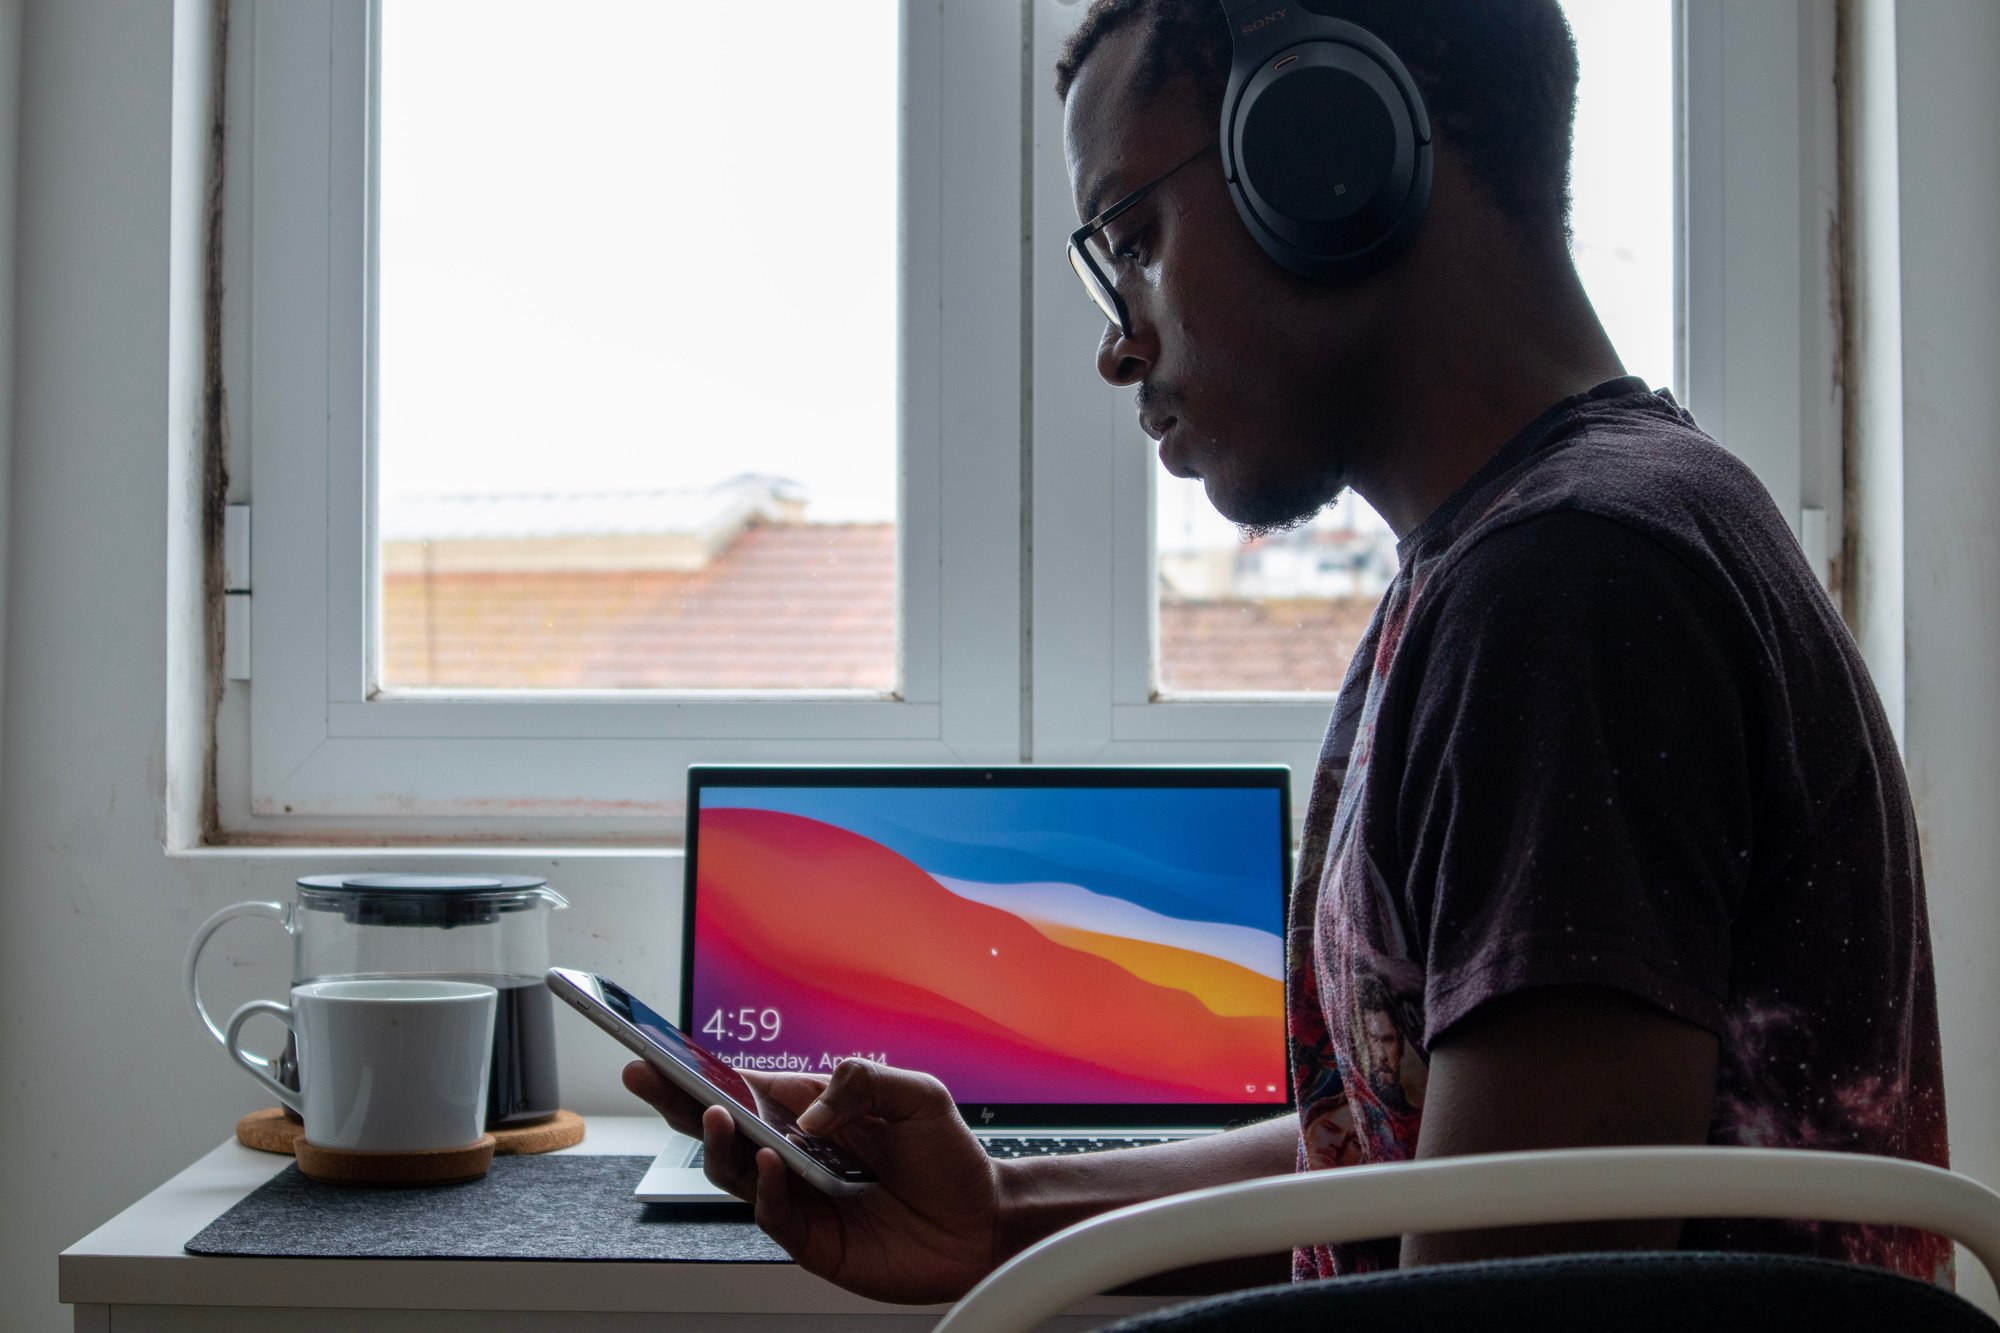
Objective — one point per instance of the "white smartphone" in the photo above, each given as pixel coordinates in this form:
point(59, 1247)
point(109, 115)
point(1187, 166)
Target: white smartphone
point(683, 1062)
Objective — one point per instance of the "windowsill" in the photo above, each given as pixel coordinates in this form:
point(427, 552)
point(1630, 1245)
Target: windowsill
point(485, 852)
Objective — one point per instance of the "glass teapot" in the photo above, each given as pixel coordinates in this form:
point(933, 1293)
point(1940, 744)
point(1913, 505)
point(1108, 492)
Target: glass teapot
point(486, 928)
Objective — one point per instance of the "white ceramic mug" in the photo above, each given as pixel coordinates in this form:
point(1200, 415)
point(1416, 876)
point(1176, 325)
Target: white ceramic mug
point(393, 1065)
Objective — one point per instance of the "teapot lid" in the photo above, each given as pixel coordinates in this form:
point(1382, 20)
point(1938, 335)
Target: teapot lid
point(401, 899)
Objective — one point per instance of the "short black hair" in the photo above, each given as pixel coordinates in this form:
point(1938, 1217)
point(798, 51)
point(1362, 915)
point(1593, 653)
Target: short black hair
point(1498, 78)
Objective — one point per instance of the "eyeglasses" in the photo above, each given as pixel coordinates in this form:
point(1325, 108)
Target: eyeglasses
point(1096, 282)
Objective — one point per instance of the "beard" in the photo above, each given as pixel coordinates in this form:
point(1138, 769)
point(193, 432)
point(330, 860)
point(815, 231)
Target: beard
point(1273, 504)
point(1282, 512)
point(1256, 532)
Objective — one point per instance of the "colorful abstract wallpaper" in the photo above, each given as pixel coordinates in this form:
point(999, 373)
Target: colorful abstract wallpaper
point(1025, 946)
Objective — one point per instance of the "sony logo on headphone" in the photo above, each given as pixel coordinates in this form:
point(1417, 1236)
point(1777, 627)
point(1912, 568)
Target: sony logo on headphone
point(1264, 22)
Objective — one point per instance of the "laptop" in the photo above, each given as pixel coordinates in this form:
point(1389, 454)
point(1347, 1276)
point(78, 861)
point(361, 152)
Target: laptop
point(1086, 957)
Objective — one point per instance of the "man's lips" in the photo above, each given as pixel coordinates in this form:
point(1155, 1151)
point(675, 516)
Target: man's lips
point(1160, 426)
point(1166, 438)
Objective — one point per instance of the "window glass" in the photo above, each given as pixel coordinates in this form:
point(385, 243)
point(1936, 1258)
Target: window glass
point(637, 362)
point(1283, 614)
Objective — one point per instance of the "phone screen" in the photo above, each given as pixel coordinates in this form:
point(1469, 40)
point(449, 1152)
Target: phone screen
point(676, 1044)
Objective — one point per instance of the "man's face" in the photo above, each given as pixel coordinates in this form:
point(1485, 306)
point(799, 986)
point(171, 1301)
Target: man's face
point(1328, 1142)
point(1241, 376)
point(1385, 1048)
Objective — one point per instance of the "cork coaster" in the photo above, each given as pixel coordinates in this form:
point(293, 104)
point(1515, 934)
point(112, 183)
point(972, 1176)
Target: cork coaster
point(271, 1130)
point(564, 1129)
point(442, 1166)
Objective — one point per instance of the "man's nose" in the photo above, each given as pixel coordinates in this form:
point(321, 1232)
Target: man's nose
point(1124, 359)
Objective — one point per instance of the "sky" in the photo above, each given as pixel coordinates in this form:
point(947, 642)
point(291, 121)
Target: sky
point(604, 250)
point(613, 256)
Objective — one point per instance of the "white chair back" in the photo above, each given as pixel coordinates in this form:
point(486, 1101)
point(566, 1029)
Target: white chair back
point(1465, 1193)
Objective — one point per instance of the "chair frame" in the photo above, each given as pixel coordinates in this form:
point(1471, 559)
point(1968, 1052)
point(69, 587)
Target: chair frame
point(1464, 1193)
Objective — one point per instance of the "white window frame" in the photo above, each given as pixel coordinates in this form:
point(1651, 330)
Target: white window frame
point(329, 756)
point(1759, 209)
point(1029, 629)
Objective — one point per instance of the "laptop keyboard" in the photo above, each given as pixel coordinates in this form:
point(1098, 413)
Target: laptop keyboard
point(1042, 1147)
point(1035, 1147)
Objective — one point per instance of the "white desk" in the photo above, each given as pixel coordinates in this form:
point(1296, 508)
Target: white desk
point(132, 1276)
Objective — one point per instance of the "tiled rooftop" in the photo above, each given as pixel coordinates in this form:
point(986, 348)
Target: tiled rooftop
point(1260, 647)
point(789, 606)
point(792, 607)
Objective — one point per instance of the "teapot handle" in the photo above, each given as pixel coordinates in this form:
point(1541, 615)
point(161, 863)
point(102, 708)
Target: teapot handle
point(277, 912)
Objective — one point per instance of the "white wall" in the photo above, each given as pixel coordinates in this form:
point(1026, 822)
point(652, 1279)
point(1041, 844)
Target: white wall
point(107, 1088)
point(1948, 67)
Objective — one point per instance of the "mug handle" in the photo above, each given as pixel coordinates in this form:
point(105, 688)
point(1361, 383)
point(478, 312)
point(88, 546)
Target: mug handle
point(257, 1064)
point(190, 976)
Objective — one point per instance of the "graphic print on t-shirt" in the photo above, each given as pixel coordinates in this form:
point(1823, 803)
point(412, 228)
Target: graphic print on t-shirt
point(1361, 1087)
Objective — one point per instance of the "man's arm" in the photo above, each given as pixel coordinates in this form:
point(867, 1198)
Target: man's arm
point(945, 1214)
point(1568, 1067)
point(1041, 1196)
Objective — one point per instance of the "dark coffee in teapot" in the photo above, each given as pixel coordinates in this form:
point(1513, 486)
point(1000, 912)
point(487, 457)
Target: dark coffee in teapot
point(521, 1088)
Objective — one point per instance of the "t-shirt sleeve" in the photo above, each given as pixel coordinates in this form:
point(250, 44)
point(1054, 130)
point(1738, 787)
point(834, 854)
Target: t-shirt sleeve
point(1576, 802)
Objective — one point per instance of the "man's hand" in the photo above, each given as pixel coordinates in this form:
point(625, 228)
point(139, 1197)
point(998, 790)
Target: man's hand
point(927, 1233)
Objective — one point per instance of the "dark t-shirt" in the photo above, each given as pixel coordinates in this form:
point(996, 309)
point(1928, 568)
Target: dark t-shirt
point(1606, 729)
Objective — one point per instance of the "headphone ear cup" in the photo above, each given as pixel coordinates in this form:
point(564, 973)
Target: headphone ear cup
point(1332, 169)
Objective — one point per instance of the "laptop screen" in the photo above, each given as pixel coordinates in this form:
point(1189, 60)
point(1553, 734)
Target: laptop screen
point(1058, 946)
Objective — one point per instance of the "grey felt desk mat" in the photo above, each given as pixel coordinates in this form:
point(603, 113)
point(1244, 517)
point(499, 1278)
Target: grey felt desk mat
point(573, 1206)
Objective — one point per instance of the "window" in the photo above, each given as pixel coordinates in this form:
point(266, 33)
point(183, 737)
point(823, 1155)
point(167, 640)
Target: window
point(636, 414)
point(315, 743)
point(515, 564)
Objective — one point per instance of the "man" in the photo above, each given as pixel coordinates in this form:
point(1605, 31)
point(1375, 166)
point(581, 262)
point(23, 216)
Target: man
point(1394, 1116)
point(1609, 841)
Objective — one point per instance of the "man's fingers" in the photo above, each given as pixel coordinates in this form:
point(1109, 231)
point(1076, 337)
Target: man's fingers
point(777, 1207)
point(861, 1088)
point(726, 1156)
point(794, 1092)
point(646, 1083)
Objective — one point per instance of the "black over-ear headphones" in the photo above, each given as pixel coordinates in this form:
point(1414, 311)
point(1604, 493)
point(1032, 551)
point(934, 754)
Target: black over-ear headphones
point(1325, 140)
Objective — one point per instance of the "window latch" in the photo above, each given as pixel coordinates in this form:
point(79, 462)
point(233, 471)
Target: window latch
point(236, 592)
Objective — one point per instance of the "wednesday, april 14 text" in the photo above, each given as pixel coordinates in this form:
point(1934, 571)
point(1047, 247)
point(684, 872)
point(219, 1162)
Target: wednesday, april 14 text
point(791, 1062)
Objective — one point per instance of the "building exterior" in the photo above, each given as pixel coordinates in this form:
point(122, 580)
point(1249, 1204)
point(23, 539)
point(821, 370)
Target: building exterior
point(729, 588)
